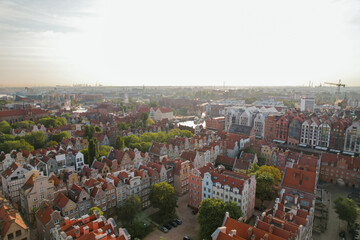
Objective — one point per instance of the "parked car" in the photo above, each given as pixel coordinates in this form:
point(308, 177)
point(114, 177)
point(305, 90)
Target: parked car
point(186, 238)
point(167, 226)
point(173, 223)
point(178, 221)
point(163, 229)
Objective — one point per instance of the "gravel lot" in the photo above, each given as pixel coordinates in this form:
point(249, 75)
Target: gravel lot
point(189, 227)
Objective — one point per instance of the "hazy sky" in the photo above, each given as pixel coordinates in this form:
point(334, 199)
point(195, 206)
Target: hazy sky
point(187, 42)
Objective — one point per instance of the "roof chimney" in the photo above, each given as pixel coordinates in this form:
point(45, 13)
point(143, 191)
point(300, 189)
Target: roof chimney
point(86, 230)
point(250, 230)
point(232, 233)
point(77, 231)
point(67, 220)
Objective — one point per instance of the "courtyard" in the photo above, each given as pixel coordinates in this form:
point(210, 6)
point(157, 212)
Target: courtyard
point(189, 227)
point(334, 225)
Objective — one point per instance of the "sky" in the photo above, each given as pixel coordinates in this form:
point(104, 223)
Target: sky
point(174, 43)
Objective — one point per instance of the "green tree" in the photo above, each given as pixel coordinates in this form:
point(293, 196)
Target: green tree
point(8, 146)
point(211, 215)
point(129, 210)
point(5, 127)
point(58, 137)
point(51, 144)
point(148, 137)
point(104, 150)
point(97, 129)
point(123, 126)
point(85, 151)
point(91, 211)
point(264, 186)
point(131, 139)
point(23, 124)
point(93, 150)
point(149, 122)
point(161, 137)
point(50, 122)
point(36, 139)
point(119, 143)
point(346, 209)
point(6, 137)
point(162, 196)
point(186, 133)
point(61, 120)
point(144, 118)
point(89, 132)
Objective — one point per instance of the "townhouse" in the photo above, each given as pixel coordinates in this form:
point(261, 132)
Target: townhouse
point(12, 224)
point(36, 189)
point(336, 168)
point(66, 206)
point(13, 179)
point(46, 219)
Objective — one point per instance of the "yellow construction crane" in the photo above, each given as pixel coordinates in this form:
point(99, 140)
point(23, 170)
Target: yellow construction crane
point(337, 84)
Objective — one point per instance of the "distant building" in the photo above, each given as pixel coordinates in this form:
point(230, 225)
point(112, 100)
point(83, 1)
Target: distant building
point(307, 104)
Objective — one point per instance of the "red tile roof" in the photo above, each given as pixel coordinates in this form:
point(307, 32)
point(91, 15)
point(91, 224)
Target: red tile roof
point(60, 201)
point(299, 179)
point(44, 213)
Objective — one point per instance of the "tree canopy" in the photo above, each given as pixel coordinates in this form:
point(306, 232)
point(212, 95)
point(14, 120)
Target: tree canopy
point(162, 196)
point(50, 122)
point(93, 150)
point(346, 209)
point(58, 137)
point(18, 145)
point(5, 127)
point(104, 150)
point(119, 143)
point(128, 211)
point(36, 139)
point(211, 215)
point(23, 124)
point(89, 132)
point(91, 211)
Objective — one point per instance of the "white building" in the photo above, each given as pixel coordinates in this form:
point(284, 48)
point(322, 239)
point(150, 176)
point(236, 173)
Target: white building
point(12, 180)
point(159, 113)
point(231, 186)
point(307, 104)
point(352, 138)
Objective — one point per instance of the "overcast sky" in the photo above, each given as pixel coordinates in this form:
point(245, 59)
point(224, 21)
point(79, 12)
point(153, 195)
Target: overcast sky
point(188, 42)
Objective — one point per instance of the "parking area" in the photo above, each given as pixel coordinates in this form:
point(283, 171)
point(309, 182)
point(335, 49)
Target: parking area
point(189, 227)
point(335, 225)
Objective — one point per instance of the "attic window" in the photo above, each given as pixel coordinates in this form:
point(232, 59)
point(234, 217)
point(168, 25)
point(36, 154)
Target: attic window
point(306, 178)
point(215, 177)
point(233, 183)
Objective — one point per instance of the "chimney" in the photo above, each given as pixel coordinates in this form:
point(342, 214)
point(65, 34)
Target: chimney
point(271, 229)
point(241, 219)
point(112, 236)
point(77, 231)
point(266, 236)
point(67, 220)
point(95, 224)
point(250, 230)
point(222, 229)
point(232, 233)
point(86, 230)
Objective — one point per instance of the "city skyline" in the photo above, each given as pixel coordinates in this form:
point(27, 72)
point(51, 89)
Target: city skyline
point(190, 43)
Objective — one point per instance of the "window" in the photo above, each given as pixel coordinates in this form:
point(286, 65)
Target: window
point(10, 236)
point(18, 233)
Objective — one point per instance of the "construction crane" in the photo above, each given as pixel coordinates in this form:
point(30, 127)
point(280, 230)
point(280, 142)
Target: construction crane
point(337, 84)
